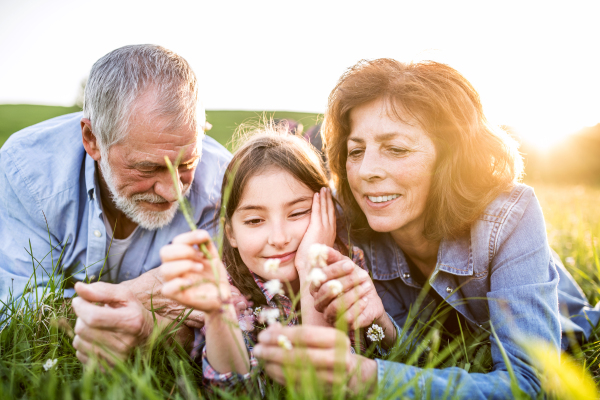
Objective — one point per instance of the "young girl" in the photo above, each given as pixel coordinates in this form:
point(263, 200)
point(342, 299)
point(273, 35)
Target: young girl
point(278, 206)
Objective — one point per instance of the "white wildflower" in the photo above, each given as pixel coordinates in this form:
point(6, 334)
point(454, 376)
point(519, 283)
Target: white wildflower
point(375, 333)
point(570, 261)
point(316, 276)
point(335, 287)
point(50, 364)
point(284, 342)
point(268, 315)
point(272, 264)
point(257, 311)
point(317, 255)
point(274, 287)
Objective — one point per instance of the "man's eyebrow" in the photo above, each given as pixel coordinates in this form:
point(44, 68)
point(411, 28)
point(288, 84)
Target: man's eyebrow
point(250, 207)
point(150, 164)
point(146, 164)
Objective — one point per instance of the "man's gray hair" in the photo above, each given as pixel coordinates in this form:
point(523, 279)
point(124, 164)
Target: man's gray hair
point(124, 75)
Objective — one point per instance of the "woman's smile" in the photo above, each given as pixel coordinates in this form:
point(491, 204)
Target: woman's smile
point(378, 202)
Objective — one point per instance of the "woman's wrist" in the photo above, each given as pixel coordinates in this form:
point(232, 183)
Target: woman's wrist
point(389, 330)
point(363, 374)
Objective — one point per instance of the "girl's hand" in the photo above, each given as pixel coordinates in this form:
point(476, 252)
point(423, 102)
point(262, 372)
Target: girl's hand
point(326, 349)
point(358, 303)
point(189, 275)
point(321, 228)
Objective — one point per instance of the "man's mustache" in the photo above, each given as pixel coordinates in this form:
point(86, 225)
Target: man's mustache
point(154, 198)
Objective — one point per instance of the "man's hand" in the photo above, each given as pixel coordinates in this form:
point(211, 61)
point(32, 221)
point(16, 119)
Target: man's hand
point(358, 303)
point(112, 330)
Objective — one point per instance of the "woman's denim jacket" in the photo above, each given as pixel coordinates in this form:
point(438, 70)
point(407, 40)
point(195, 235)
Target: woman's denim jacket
point(503, 271)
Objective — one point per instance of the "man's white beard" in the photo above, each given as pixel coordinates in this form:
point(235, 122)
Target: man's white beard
point(131, 206)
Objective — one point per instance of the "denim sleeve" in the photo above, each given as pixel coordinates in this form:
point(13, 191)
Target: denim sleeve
point(523, 306)
point(22, 228)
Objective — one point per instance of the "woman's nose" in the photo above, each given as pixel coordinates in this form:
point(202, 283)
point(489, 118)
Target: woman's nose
point(370, 166)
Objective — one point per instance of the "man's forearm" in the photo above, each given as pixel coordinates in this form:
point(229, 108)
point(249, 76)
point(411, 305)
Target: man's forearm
point(184, 335)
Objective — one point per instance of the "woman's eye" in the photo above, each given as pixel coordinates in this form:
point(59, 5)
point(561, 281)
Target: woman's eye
point(355, 152)
point(254, 221)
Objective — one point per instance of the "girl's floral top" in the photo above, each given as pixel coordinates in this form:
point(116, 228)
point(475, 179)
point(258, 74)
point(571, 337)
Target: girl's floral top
point(250, 326)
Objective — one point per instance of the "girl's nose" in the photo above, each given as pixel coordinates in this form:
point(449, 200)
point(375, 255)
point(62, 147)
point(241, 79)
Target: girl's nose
point(278, 236)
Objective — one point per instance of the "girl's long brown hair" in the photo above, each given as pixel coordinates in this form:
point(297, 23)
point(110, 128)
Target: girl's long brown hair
point(267, 148)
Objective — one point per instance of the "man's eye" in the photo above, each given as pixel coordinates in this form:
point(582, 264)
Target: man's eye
point(398, 150)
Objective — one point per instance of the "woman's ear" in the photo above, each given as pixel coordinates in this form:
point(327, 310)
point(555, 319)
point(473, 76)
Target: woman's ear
point(230, 236)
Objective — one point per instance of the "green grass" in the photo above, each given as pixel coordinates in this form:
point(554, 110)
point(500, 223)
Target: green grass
point(43, 330)
point(14, 117)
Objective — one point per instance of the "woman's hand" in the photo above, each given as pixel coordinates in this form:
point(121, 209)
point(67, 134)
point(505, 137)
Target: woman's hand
point(326, 349)
point(358, 302)
point(189, 274)
point(321, 228)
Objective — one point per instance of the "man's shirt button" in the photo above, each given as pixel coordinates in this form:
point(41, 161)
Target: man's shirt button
point(406, 275)
point(97, 233)
point(448, 289)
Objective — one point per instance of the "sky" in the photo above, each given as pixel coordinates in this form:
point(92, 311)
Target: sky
point(535, 64)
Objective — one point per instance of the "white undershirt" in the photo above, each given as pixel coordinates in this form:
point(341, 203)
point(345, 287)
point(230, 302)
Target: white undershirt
point(118, 247)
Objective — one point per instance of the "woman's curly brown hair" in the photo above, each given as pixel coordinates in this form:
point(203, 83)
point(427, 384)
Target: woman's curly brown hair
point(475, 162)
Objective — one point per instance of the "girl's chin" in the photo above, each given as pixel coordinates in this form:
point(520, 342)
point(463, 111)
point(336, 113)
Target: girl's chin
point(284, 274)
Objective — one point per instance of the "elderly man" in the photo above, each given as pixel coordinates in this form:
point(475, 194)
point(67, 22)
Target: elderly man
point(89, 197)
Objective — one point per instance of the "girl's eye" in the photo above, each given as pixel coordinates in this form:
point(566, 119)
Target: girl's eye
point(300, 213)
point(254, 221)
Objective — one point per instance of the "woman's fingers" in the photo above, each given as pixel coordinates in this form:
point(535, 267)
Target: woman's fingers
point(327, 293)
point(336, 270)
point(174, 269)
point(316, 357)
point(354, 317)
point(275, 371)
point(341, 304)
point(304, 336)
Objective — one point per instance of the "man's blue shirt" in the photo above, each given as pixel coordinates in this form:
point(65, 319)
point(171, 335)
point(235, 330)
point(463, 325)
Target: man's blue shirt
point(49, 206)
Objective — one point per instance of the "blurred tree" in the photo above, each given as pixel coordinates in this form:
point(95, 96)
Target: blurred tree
point(79, 98)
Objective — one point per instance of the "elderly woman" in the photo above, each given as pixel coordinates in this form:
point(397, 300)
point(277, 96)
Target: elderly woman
point(431, 193)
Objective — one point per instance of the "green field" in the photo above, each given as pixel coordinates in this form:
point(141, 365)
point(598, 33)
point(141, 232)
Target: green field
point(42, 332)
point(14, 117)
